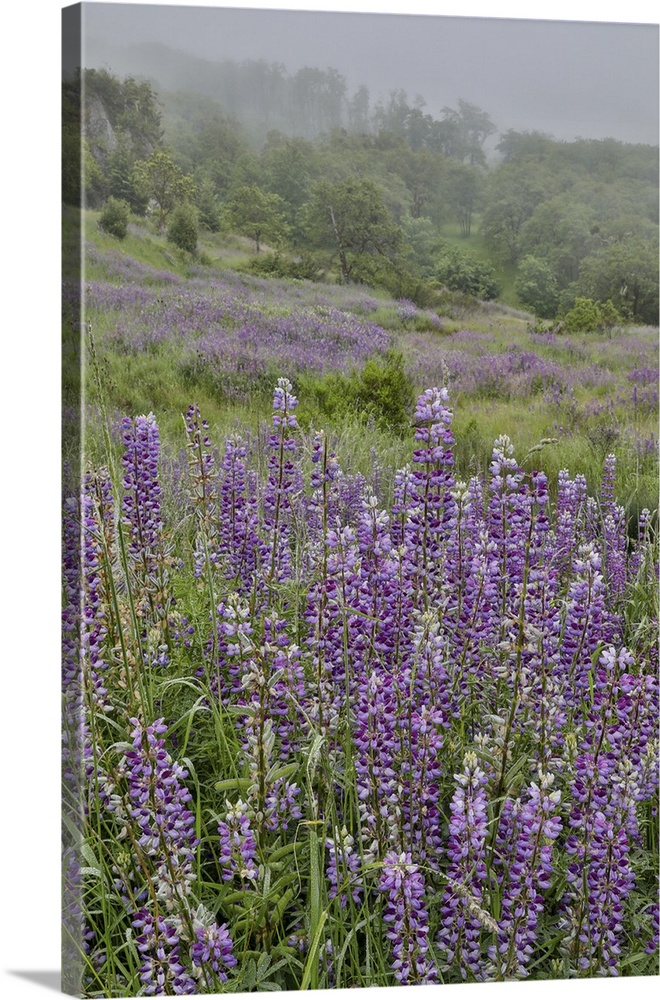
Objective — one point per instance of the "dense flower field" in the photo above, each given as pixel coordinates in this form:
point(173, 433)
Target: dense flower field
point(321, 743)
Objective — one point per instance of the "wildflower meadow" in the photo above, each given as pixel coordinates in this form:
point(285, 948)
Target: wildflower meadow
point(319, 738)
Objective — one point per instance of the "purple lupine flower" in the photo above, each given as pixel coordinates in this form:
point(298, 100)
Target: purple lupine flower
point(653, 910)
point(421, 769)
point(527, 830)
point(620, 724)
point(203, 486)
point(159, 808)
point(325, 472)
point(281, 804)
point(462, 913)
point(238, 846)
point(406, 912)
point(161, 972)
point(288, 695)
point(406, 310)
point(641, 559)
point(229, 648)
point(509, 513)
point(277, 496)
point(429, 503)
point(377, 741)
point(614, 535)
point(343, 867)
point(326, 617)
point(98, 548)
point(599, 877)
point(597, 919)
point(238, 539)
point(212, 947)
point(586, 623)
point(141, 509)
point(569, 517)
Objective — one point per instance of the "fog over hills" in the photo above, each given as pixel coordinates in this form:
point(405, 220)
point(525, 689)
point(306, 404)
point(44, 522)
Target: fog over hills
point(569, 79)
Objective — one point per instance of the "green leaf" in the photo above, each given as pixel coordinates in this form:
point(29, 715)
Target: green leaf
point(89, 856)
point(280, 907)
point(239, 710)
point(515, 769)
point(233, 785)
point(312, 959)
point(283, 851)
point(284, 771)
point(639, 956)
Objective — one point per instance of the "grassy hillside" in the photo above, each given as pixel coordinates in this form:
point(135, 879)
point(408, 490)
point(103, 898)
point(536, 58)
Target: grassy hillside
point(170, 329)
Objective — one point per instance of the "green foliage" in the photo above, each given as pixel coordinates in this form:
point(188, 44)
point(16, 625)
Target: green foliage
point(131, 107)
point(381, 391)
point(536, 286)
point(121, 124)
point(289, 166)
point(461, 271)
point(472, 126)
point(513, 194)
point(183, 228)
point(257, 214)
point(277, 265)
point(350, 219)
point(610, 315)
point(161, 179)
point(114, 217)
point(207, 203)
point(625, 271)
point(560, 233)
point(585, 315)
point(123, 181)
point(463, 190)
point(423, 243)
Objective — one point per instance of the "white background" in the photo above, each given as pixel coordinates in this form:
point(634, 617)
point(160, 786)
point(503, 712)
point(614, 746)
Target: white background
point(29, 467)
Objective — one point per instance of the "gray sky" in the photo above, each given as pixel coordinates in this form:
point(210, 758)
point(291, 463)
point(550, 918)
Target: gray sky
point(568, 78)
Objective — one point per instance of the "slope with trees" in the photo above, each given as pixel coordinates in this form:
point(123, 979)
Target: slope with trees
point(380, 190)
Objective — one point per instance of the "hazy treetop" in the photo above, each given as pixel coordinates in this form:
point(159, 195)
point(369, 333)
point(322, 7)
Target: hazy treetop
point(570, 79)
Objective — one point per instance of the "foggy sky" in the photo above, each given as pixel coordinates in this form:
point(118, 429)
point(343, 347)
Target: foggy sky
point(570, 79)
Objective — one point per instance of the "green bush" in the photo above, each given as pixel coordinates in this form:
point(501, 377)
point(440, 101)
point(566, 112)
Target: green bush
point(381, 391)
point(610, 315)
point(461, 271)
point(585, 315)
point(114, 217)
point(183, 229)
point(386, 392)
point(276, 265)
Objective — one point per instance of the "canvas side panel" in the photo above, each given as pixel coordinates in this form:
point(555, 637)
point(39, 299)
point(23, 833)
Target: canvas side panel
point(72, 598)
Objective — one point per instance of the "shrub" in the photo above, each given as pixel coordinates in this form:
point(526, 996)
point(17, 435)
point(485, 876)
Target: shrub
point(585, 315)
point(114, 217)
point(461, 271)
point(610, 315)
point(183, 229)
point(276, 265)
point(381, 391)
point(386, 392)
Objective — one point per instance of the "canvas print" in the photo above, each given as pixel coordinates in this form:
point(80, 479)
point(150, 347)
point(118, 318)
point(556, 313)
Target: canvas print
point(360, 490)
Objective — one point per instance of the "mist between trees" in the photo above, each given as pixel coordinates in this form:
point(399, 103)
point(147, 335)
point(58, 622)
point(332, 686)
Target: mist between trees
point(381, 191)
